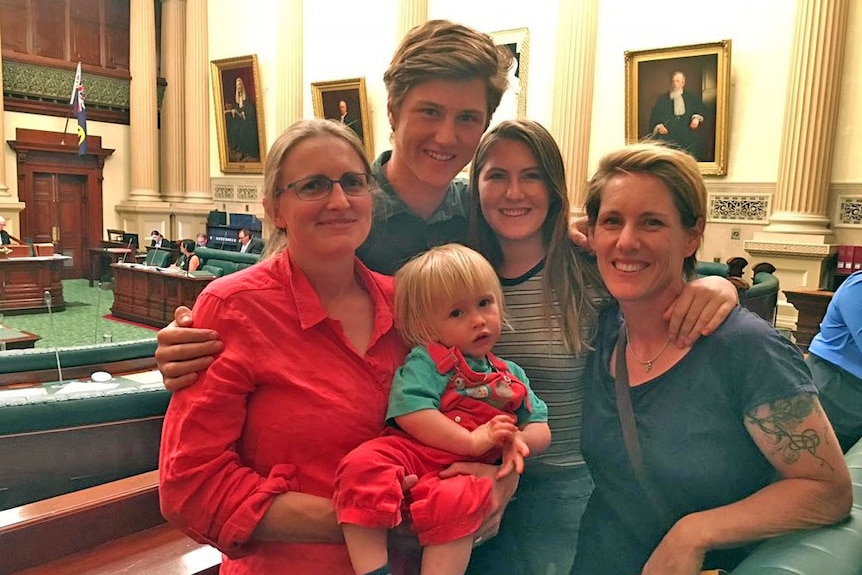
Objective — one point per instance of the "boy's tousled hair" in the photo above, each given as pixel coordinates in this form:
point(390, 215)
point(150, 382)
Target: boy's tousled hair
point(437, 277)
point(444, 50)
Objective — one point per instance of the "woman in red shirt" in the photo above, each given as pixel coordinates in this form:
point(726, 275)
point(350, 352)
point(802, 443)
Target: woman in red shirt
point(248, 455)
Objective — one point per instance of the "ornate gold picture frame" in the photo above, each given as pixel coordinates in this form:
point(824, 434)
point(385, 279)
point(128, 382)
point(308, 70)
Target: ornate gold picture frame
point(695, 118)
point(344, 101)
point(514, 103)
point(239, 115)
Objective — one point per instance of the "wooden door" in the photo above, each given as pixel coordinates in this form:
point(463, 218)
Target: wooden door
point(59, 201)
point(62, 192)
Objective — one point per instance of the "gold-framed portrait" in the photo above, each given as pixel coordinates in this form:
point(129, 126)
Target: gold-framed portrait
point(239, 115)
point(681, 95)
point(344, 101)
point(513, 105)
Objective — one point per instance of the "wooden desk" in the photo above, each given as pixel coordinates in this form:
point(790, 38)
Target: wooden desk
point(811, 305)
point(102, 258)
point(24, 281)
point(17, 339)
point(148, 295)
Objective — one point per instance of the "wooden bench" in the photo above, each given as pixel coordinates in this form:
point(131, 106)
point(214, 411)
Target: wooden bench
point(110, 528)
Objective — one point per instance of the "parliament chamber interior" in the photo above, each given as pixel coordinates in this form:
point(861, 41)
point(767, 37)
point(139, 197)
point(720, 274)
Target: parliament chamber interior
point(121, 143)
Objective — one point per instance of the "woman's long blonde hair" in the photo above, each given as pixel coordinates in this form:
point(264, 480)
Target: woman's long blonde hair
point(568, 273)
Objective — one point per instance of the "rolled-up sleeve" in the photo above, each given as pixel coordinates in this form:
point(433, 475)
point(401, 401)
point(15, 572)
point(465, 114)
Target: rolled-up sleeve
point(205, 488)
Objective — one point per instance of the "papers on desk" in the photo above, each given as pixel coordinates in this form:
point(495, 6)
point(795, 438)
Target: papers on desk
point(86, 386)
point(22, 392)
point(146, 377)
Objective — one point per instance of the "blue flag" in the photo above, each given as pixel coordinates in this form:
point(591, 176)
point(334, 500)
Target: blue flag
point(77, 103)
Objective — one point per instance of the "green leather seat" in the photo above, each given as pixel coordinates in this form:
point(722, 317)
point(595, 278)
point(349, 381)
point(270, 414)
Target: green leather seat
point(158, 258)
point(224, 262)
point(761, 297)
point(832, 550)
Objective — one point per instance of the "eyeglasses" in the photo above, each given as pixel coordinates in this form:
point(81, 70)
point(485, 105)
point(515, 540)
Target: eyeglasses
point(319, 187)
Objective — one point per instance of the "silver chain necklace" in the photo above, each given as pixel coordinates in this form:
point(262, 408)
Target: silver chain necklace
point(647, 364)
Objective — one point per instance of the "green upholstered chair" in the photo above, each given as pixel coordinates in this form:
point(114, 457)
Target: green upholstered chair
point(832, 550)
point(158, 258)
point(224, 262)
point(760, 297)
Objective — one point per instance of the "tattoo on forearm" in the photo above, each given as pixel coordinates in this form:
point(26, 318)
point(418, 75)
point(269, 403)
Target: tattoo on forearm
point(781, 421)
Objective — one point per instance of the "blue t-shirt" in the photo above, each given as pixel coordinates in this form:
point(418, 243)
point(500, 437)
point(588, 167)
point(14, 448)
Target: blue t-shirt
point(695, 446)
point(840, 338)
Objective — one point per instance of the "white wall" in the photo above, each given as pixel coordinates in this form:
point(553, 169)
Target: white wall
point(761, 32)
point(235, 32)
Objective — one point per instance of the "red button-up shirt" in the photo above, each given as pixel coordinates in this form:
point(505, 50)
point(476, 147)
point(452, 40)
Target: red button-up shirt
point(277, 410)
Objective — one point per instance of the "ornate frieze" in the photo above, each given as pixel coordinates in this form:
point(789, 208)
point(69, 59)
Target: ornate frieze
point(848, 213)
point(743, 208)
point(36, 82)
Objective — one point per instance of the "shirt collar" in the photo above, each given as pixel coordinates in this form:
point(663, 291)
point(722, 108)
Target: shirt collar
point(310, 310)
point(388, 203)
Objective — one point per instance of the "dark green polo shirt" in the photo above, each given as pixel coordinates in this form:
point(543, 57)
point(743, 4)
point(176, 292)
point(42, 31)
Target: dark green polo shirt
point(398, 234)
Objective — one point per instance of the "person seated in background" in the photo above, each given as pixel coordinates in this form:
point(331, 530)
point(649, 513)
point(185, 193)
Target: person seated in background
point(835, 359)
point(5, 237)
point(248, 244)
point(187, 261)
point(201, 240)
point(158, 240)
point(696, 451)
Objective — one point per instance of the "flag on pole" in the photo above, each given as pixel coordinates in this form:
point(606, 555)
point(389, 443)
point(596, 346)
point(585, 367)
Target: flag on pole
point(77, 103)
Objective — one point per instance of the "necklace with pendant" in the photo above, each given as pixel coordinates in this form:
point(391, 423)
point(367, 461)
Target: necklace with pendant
point(647, 364)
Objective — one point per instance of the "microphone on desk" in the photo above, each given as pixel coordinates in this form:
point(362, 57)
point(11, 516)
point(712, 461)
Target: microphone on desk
point(128, 247)
point(48, 299)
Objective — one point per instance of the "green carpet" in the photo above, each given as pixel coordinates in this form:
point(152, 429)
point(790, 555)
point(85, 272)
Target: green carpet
point(81, 322)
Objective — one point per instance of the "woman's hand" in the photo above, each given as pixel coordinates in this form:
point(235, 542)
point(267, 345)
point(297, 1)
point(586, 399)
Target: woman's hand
point(701, 307)
point(184, 351)
point(677, 554)
point(501, 494)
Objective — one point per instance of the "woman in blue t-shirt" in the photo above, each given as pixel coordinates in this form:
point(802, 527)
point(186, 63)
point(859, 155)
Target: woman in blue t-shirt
point(734, 446)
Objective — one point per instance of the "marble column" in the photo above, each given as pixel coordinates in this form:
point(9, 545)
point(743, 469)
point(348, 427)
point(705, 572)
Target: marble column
point(197, 122)
point(289, 87)
point(4, 189)
point(796, 240)
point(172, 136)
point(811, 112)
point(143, 123)
point(573, 91)
point(411, 13)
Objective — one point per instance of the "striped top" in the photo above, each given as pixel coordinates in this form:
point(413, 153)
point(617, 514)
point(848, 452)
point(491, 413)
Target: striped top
point(555, 374)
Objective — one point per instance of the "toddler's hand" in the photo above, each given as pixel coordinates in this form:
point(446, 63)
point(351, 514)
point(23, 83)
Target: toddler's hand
point(496, 432)
point(514, 453)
